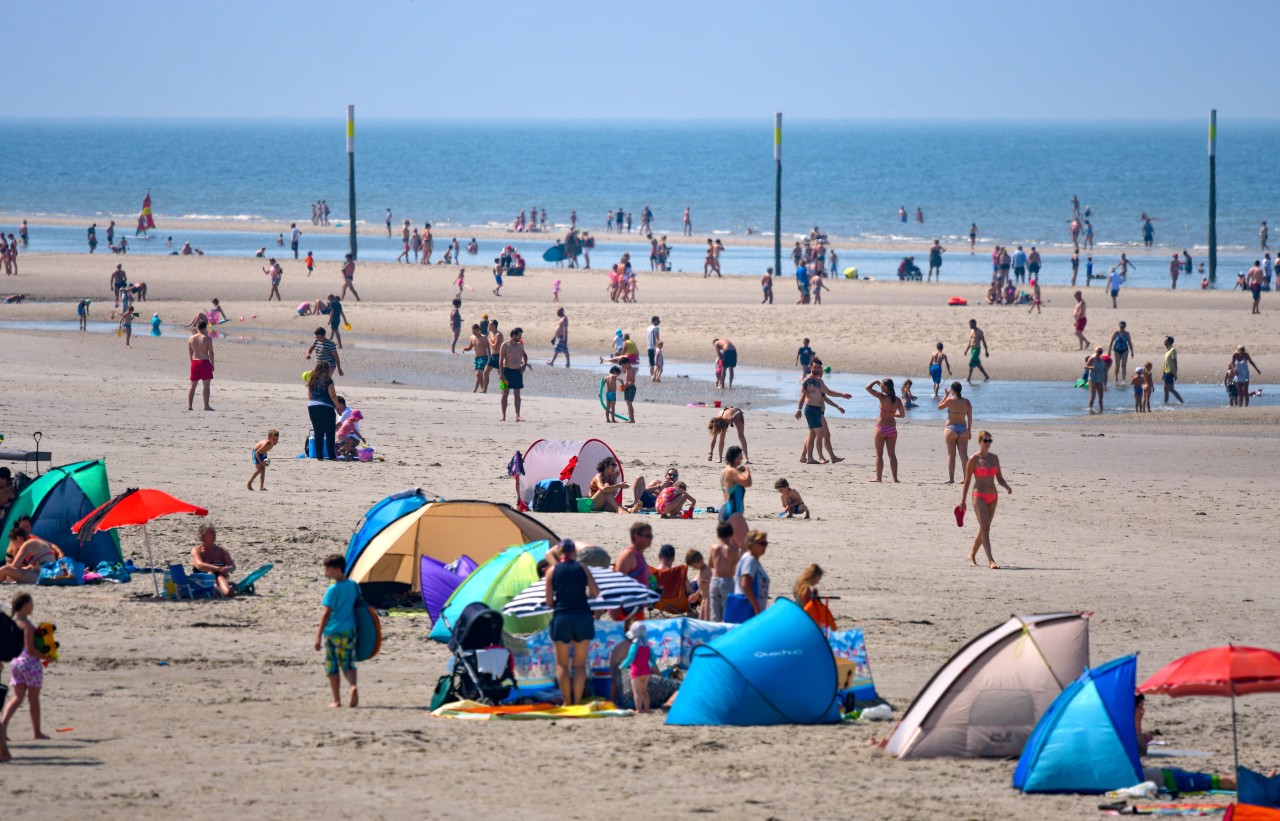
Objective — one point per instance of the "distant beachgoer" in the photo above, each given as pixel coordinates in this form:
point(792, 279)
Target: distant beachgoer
point(1075, 266)
point(258, 456)
point(1114, 280)
point(276, 273)
point(688, 224)
point(1035, 295)
point(1139, 385)
point(82, 313)
point(902, 213)
point(973, 236)
point(125, 325)
point(295, 235)
point(1256, 282)
point(337, 318)
point(1079, 318)
point(919, 216)
point(719, 426)
point(958, 429)
point(886, 430)
point(1033, 263)
point(728, 356)
point(1149, 386)
point(936, 362)
point(1120, 347)
point(322, 403)
point(479, 349)
point(935, 260)
point(348, 278)
point(1096, 366)
point(513, 362)
point(200, 354)
point(1242, 362)
point(1019, 265)
point(977, 345)
point(1088, 235)
point(983, 470)
point(734, 481)
point(325, 351)
point(1170, 370)
point(92, 236)
point(560, 338)
point(455, 324)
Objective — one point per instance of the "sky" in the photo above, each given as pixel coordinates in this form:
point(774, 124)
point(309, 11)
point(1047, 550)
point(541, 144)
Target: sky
point(693, 59)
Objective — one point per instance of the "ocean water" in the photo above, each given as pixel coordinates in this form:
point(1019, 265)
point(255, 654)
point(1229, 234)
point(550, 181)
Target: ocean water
point(1014, 180)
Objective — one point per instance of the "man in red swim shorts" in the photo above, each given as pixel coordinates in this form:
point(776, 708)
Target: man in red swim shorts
point(200, 351)
point(1080, 321)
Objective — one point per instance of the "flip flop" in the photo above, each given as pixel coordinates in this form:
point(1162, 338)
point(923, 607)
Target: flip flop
point(959, 511)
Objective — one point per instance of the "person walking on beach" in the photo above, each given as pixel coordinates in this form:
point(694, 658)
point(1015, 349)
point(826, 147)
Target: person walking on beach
point(688, 224)
point(958, 428)
point(936, 361)
point(27, 671)
point(455, 324)
point(652, 337)
point(1080, 320)
point(1242, 362)
point(1088, 236)
point(560, 338)
point(1255, 281)
point(337, 318)
point(388, 221)
point(479, 348)
point(814, 397)
point(294, 236)
point(92, 236)
point(977, 345)
point(200, 354)
point(1097, 369)
point(276, 273)
point(1075, 266)
point(935, 260)
point(514, 362)
point(973, 237)
point(1170, 370)
point(348, 278)
point(1262, 236)
point(886, 436)
point(126, 325)
point(406, 238)
point(337, 631)
point(983, 470)
point(1120, 347)
point(1035, 296)
point(1114, 280)
point(495, 345)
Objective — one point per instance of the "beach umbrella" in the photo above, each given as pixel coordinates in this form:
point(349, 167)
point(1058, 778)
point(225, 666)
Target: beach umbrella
point(1219, 671)
point(616, 591)
point(134, 507)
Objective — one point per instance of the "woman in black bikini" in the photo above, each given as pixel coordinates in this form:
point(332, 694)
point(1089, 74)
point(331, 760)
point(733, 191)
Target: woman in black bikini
point(719, 427)
point(983, 470)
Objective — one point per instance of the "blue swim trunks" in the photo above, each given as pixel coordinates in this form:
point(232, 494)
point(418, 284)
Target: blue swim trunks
point(935, 373)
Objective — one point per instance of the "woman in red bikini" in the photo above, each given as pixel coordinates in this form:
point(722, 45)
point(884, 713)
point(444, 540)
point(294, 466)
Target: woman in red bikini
point(891, 409)
point(983, 469)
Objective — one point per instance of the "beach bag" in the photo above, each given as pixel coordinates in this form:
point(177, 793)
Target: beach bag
point(548, 496)
point(65, 571)
point(114, 572)
point(11, 639)
point(572, 493)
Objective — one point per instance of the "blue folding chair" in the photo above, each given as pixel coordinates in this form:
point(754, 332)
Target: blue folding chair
point(245, 585)
point(184, 585)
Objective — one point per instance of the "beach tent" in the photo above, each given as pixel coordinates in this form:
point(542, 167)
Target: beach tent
point(385, 552)
point(496, 582)
point(1086, 742)
point(59, 499)
point(777, 668)
point(986, 700)
point(569, 460)
point(439, 580)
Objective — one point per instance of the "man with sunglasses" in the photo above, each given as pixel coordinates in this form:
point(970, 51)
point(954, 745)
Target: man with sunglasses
point(646, 493)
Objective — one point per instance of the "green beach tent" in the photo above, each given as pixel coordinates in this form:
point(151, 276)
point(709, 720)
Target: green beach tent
point(59, 499)
point(495, 583)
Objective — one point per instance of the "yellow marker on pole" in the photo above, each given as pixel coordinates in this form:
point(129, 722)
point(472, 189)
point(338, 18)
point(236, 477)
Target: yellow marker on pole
point(777, 196)
point(351, 173)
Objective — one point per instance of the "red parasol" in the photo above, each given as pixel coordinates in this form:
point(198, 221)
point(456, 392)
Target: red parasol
point(134, 507)
point(1219, 671)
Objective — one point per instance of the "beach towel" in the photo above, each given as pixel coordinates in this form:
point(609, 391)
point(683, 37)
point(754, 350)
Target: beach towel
point(474, 711)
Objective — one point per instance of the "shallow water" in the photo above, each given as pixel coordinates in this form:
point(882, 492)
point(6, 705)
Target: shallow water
point(995, 400)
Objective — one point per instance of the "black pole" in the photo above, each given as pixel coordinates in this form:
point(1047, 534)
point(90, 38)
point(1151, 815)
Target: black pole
point(777, 196)
point(1213, 195)
point(351, 174)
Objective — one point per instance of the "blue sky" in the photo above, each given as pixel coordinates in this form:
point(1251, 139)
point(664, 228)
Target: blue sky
point(894, 59)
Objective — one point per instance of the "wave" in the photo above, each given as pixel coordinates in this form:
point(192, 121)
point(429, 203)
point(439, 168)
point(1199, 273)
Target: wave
point(224, 217)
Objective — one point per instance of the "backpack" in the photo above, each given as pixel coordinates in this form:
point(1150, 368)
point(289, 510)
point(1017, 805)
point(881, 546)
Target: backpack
point(548, 496)
point(572, 493)
point(11, 639)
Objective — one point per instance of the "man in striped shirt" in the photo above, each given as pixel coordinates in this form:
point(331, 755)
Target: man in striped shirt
point(325, 351)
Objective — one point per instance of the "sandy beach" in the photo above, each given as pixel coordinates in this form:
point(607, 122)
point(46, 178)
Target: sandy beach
point(1156, 523)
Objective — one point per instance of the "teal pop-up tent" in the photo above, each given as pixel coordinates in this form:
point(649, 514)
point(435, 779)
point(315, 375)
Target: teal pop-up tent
point(776, 668)
point(1086, 742)
point(59, 499)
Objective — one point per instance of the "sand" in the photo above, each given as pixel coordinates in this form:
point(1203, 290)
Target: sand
point(1158, 524)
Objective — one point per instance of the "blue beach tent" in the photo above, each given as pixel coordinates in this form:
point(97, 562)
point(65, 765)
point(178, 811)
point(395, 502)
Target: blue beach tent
point(60, 498)
point(776, 668)
point(1086, 742)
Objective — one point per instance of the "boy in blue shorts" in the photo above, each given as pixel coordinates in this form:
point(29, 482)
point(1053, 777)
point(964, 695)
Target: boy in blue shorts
point(936, 361)
point(337, 632)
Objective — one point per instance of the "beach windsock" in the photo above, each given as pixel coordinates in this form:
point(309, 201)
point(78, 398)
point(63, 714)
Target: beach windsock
point(145, 220)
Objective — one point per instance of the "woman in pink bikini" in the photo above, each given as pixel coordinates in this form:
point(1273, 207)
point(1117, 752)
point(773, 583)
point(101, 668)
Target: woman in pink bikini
point(983, 469)
point(891, 409)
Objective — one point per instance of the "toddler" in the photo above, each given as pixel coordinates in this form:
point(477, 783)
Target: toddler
point(792, 504)
point(657, 363)
point(258, 455)
point(638, 660)
point(611, 394)
point(555, 291)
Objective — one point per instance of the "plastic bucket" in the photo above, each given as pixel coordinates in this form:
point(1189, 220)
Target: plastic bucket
point(364, 454)
point(584, 505)
point(717, 403)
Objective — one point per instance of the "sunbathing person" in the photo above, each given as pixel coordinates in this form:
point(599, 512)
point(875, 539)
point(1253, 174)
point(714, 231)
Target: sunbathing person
point(646, 493)
point(26, 555)
point(604, 487)
point(1173, 778)
point(211, 557)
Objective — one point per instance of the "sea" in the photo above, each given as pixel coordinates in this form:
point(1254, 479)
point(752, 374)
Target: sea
point(848, 179)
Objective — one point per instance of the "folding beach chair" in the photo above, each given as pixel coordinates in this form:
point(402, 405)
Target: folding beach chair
point(245, 586)
point(673, 585)
point(184, 585)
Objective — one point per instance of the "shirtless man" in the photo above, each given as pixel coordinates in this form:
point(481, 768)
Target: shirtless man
point(428, 243)
point(211, 557)
point(514, 362)
point(688, 224)
point(1080, 320)
point(495, 344)
point(1255, 280)
point(479, 346)
point(814, 397)
point(728, 356)
point(724, 561)
point(200, 352)
point(560, 339)
point(977, 345)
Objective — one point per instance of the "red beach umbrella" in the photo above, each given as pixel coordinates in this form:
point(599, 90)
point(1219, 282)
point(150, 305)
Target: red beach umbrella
point(1219, 671)
point(134, 507)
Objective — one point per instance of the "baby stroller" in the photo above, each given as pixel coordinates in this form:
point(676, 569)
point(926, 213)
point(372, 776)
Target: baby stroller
point(482, 667)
